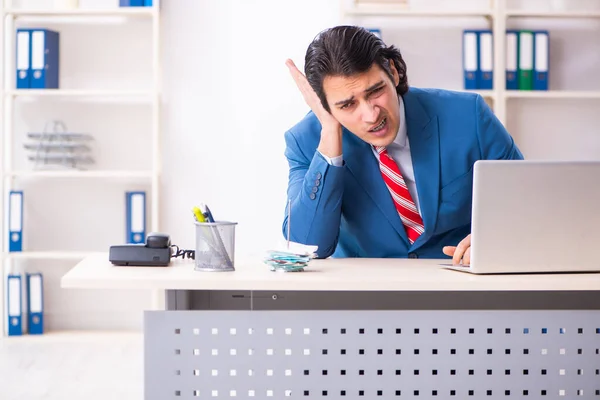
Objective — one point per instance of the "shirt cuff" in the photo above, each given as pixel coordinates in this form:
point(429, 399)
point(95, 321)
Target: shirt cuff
point(335, 161)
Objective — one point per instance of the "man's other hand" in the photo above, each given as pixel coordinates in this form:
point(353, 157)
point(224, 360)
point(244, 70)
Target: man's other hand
point(461, 254)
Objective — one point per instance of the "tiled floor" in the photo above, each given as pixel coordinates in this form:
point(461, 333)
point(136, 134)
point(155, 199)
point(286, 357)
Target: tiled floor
point(65, 366)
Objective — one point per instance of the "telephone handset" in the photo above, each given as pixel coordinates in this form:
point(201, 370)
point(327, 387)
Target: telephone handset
point(157, 240)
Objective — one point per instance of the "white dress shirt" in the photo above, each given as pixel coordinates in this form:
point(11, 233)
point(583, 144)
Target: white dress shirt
point(399, 150)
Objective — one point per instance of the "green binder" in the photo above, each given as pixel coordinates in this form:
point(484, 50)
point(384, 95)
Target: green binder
point(525, 60)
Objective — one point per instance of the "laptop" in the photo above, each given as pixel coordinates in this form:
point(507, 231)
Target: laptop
point(534, 217)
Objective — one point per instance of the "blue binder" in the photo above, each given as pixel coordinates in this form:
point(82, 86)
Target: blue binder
point(14, 304)
point(135, 217)
point(147, 3)
point(376, 32)
point(15, 220)
point(35, 303)
point(541, 59)
point(23, 58)
point(131, 3)
point(486, 60)
point(471, 58)
point(512, 59)
point(44, 59)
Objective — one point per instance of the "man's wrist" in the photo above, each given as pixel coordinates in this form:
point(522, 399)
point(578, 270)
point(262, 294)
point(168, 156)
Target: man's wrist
point(337, 161)
point(331, 142)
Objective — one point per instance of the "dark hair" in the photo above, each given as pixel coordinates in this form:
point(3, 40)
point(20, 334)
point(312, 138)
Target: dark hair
point(347, 51)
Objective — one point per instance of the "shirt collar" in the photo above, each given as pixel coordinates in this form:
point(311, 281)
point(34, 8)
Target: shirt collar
point(402, 136)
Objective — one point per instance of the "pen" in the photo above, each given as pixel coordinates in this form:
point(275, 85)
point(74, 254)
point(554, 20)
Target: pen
point(207, 214)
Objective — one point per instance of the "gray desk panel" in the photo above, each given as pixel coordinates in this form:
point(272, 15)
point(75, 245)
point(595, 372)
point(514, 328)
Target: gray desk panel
point(371, 354)
point(318, 300)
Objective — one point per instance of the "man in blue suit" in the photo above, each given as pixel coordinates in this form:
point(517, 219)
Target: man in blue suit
point(378, 168)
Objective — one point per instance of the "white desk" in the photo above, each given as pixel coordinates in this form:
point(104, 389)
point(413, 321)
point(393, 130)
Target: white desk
point(362, 328)
point(329, 275)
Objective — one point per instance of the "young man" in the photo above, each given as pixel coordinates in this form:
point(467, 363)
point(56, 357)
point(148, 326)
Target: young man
point(378, 168)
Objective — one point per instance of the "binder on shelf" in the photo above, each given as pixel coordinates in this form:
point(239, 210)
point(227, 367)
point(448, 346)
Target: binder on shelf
point(147, 3)
point(132, 3)
point(15, 220)
point(471, 59)
point(136, 217)
point(486, 60)
point(14, 302)
point(525, 60)
point(23, 58)
point(35, 304)
point(44, 59)
point(512, 59)
point(541, 59)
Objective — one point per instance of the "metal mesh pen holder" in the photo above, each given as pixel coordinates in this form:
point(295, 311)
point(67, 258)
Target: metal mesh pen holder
point(215, 246)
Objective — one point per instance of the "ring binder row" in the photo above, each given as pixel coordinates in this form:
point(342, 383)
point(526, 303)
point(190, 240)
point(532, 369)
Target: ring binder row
point(527, 59)
point(37, 58)
point(135, 216)
point(135, 3)
point(25, 304)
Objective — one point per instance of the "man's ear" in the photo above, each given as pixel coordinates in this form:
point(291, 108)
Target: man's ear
point(394, 71)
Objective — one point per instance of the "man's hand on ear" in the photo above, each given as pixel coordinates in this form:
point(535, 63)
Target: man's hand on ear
point(331, 129)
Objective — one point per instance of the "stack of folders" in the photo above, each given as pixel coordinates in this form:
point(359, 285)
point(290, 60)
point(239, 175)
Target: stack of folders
point(24, 292)
point(527, 59)
point(292, 257)
point(25, 304)
point(37, 58)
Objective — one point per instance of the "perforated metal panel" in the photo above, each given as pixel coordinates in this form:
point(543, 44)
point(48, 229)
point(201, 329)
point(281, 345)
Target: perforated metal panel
point(372, 354)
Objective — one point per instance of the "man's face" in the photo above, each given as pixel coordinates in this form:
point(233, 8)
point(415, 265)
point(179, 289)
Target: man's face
point(366, 104)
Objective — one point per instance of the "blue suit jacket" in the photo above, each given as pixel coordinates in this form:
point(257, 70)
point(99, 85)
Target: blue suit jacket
point(348, 211)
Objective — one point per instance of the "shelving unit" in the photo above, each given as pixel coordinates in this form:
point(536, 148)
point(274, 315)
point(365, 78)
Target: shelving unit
point(497, 16)
point(77, 93)
point(117, 174)
point(149, 96)
point(552, 94)
point(553, 14)
point(47, 255)
point(144, 12)
point(390, 9)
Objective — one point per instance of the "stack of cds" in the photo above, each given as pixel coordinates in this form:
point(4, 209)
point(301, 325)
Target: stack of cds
point(290, 259)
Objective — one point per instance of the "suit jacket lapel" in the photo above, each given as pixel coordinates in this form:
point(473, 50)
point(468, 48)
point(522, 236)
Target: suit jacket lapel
point(361, 162)
point(423, 138)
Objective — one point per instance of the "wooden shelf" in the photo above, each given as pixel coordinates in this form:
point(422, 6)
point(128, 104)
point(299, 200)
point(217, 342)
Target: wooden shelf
point(108, 12)
point(99, 174)
point(387, 9)
point(483, 93)
point(553, 14)
point(552, 94)
point(79, 336)
point(48, 255)
point(78, 93)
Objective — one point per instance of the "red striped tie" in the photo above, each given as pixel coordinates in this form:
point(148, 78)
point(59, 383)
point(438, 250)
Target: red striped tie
point(413, 223)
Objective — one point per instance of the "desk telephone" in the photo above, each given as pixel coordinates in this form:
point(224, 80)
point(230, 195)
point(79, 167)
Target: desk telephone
point(155, 252)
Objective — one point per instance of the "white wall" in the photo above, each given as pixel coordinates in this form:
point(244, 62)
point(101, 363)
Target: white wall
point(227, 100)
